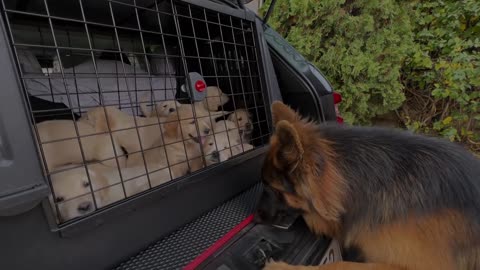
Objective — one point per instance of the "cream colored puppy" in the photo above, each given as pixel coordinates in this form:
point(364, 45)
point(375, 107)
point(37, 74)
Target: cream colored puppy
point(160, 109)
point(243, 119)
point(184, 137)
point(218, 146)
point(72, 191)
point(129, 131)
point(73, 188)
point(184, 133)
point(198, 111)
point(156, 162)
point(214, 98)
point(213, 156)
point(61, 146)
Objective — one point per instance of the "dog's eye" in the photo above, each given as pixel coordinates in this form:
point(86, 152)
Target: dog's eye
point(86, 184)
point(164, 106)
point(210, 144)
point(59, 199)
point(240, 119)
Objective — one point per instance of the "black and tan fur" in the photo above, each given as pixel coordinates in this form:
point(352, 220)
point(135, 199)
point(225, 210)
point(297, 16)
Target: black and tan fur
point(405, 201)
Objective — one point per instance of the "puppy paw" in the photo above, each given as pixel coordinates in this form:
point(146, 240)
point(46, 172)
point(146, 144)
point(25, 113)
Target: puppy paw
point(271, 265)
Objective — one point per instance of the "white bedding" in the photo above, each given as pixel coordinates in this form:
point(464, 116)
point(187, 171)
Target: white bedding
point(117, 84)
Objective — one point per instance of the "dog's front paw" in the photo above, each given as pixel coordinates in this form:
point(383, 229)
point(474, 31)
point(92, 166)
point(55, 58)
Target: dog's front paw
point(279, 266)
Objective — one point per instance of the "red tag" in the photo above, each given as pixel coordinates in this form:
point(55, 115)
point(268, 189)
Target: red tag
point(200, 86)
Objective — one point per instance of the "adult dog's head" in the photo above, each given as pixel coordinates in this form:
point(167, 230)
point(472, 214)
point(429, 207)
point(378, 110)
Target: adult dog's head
point(299, 174)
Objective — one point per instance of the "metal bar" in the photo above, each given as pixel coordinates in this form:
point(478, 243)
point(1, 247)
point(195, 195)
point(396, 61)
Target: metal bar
point(241, 82)
point(126, 84)
point(29, 106)
point(70, 103)
point(185, 68)
point(251, 81)
point(100, 93)
point(228, 72)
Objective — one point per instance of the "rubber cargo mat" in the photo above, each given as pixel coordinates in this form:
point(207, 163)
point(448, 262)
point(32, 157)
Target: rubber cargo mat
point(185, 244)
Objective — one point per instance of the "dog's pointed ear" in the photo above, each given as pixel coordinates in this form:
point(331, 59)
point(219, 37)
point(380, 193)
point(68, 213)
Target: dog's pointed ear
point(281, 111)
point(290, 149)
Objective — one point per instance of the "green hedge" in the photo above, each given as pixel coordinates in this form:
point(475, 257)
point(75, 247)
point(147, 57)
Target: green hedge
point(444, 72)
point(418, 58)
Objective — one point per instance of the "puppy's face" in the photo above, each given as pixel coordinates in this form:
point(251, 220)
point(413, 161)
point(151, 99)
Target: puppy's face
point(298, 172)
point(185, 126)
point(215, 98)
point(218, 146)
point(216, 149)
point(195, 129)
point(243, 120)
point(165, 108)
point(72, 193)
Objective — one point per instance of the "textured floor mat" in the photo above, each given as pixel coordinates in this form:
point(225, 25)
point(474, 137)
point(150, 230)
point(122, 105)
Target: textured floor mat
point(182, 246)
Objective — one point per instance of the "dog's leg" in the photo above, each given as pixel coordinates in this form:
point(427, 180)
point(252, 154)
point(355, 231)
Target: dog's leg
point(333, 266)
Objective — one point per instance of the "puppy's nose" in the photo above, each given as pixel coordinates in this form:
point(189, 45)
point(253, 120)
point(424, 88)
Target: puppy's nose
point(216, 155)
point(207, 130)
point(171, 109)
point(84, 207)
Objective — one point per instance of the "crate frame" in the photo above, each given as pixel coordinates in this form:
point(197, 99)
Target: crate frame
point(71, 228)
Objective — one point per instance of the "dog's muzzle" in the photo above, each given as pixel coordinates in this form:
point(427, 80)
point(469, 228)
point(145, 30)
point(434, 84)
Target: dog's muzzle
point(274, 211)
point(215, 156)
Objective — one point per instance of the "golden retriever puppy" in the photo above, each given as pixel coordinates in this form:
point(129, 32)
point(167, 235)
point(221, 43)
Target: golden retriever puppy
point(61, 146)
point(131, 132)
point(182, 142)
point(155, 160)
point(184, 137)
point(214, 98)
point(218, 147)
point(160, 109)
point(72, 187)
point(243, 119)
point(71, 193)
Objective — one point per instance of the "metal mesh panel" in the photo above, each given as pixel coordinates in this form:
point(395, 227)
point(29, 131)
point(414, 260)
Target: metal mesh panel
point(182, 246)
point(108, 87)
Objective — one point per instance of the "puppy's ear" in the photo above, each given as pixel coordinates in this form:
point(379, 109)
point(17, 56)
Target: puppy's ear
point(290, 149)
point(280, 112)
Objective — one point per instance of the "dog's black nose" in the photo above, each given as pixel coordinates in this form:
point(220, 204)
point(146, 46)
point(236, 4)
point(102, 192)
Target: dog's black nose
point(84, 207)
point(259, 216)
point(171, 109)
point(207, 130)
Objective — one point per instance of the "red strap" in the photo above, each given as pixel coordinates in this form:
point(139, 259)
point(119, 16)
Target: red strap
point(217, 245)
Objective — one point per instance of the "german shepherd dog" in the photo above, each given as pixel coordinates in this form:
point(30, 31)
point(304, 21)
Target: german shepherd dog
point(404, 201)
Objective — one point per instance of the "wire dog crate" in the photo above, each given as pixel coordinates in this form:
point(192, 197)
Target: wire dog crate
point(109, 90)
